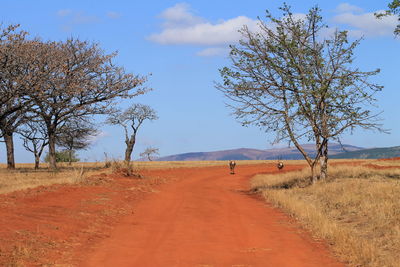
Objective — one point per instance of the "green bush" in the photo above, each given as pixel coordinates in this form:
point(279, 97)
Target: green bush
point(63, 156)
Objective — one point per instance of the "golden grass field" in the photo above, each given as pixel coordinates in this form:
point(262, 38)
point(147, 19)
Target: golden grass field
point(357, 210)
point(24, 176)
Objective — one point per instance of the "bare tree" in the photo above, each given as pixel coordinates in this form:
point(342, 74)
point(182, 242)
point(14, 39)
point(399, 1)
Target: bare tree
point(75, 135)
point(14, 79)
point(77, 80)
point(287, 79)
point(34, 136)
point(132, 118)
point(149, 152)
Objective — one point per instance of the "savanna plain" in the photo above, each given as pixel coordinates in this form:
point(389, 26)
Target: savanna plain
point(58, 218)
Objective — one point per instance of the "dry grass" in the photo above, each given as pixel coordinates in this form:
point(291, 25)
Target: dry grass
point(25, 176)
point(357, 210)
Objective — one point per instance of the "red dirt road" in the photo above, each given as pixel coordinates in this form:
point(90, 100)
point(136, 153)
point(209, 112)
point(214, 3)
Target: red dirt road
point(207, 218)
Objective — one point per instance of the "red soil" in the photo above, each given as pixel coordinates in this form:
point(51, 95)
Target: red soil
point(396, 158)
point(379, 167)
point(191, 217)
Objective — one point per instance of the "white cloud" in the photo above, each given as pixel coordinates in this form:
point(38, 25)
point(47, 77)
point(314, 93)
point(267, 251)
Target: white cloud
point(213, 51)
point(366, 24)
point(179, 15)
point(182, 27)
point(346, 7)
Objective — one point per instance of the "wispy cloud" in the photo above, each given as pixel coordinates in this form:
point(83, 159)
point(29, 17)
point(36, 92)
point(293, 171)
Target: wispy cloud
point(346, 7)
point(72, 18)
point(113, 15)
point(360, 23)
point(64, 12)
point(180, 16)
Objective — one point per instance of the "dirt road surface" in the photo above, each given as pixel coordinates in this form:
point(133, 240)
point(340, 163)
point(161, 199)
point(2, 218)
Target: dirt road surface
point(207, 218)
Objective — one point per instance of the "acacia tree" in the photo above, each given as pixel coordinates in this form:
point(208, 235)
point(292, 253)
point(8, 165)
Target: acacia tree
point(132, 118)
point(149, 152)
point(287, 79)
point(14, 79)
point(75, 135)
point(34, 136)
point(77, 80)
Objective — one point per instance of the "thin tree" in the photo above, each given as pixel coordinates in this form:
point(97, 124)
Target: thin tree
point(131, 120)
point(77, 80)
point(149, 152)
point(75, 135)
point(34, 136)
point(287, 79)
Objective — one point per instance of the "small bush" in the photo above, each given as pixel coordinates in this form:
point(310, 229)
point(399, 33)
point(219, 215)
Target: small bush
point(63, 156)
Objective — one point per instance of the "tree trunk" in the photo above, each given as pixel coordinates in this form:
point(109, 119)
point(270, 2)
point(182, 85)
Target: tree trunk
point(52, 150)
point(128, 152)
point(130, 143)
point(324, 162)
point(314, 176)
point(8, 139)
point(37, 161)
point(70, 157)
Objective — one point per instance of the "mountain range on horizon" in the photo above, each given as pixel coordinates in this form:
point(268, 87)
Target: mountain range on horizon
point(370, 153)
point(286, 153)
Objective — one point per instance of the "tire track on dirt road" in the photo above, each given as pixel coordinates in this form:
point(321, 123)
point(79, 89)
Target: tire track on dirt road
point(206, 218)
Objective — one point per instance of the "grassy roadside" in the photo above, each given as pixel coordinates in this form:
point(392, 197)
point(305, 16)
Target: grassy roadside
point(24, 176)
point(357, 210)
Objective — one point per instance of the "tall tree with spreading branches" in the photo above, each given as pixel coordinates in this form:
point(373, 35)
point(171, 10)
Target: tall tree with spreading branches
point(77, 80)
point(131, 120)
point(288, 79)
point(15, 78)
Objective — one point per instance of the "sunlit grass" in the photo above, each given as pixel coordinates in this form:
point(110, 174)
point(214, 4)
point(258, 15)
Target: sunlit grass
point(24, 176)
point(357, 210)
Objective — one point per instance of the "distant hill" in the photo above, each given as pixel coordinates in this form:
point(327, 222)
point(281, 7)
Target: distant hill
point(372, 153)
point(255, 154)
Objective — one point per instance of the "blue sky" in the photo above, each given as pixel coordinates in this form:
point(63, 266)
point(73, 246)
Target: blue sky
point(182, 45)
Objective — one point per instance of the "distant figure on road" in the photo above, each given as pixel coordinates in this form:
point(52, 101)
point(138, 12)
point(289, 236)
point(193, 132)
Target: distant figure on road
point(232, 165)
point(280, 165)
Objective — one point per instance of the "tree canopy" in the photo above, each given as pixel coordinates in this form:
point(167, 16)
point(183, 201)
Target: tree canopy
point(290, 78)
point(77, 80)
